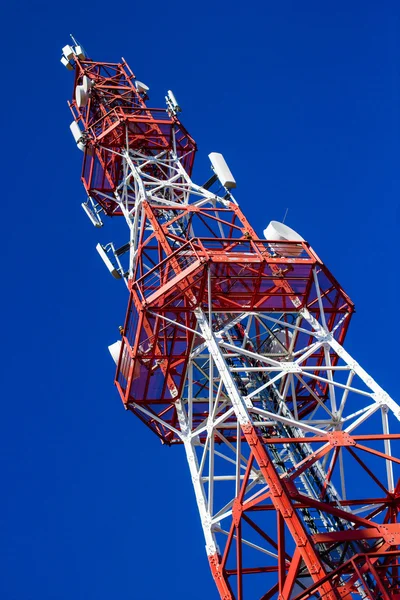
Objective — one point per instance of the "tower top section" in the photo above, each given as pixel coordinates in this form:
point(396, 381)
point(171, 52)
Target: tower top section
point(111, 117)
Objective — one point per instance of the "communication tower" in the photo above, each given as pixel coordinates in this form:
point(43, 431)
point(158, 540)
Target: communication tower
point(232, 348)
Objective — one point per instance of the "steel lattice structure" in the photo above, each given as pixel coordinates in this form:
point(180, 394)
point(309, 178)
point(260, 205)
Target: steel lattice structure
point(232, 347)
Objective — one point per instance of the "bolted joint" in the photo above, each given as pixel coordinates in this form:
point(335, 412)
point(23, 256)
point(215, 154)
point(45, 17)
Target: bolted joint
point(340, 438)
point(237, 510)
point(390, 533)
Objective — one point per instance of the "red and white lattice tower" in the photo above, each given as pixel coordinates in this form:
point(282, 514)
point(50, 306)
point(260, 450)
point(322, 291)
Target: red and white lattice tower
point(232, 347)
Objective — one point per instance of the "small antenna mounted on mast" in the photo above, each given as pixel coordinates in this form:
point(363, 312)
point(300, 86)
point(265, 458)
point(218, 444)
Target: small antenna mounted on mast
point(82, 53)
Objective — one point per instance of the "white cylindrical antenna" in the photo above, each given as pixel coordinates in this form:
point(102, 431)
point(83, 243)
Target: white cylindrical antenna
point(76, 132)
point(141, 87)
point(172, 101)
point(94, 217)
point(113, 270)
point(81, 96)
point(222, 170)
point(279, 232)
point(66, 63)
point(79, 137)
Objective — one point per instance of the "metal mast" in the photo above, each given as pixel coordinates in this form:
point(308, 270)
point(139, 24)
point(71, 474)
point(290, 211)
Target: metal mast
point(232, 347)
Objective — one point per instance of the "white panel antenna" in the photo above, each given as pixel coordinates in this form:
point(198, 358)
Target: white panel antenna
point(222, 170)
point(172, 103)
point(113, 270)
point(91, 213)
point(68, 52)
point(80, 53)
point(67, 64)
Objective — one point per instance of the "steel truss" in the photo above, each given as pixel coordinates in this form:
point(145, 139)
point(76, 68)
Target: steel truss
point(233, 347)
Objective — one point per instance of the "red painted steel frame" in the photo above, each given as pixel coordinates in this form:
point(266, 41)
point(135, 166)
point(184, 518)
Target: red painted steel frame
point(116, 113)
point(243, 277)
point(382, 560)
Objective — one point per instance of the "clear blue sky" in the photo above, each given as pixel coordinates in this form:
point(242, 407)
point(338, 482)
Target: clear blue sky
point(303, 100)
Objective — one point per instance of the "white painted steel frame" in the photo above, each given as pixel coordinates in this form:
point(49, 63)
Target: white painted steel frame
point(214, 465)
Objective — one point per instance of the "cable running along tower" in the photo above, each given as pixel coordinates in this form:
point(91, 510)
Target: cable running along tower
point(232, 348)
